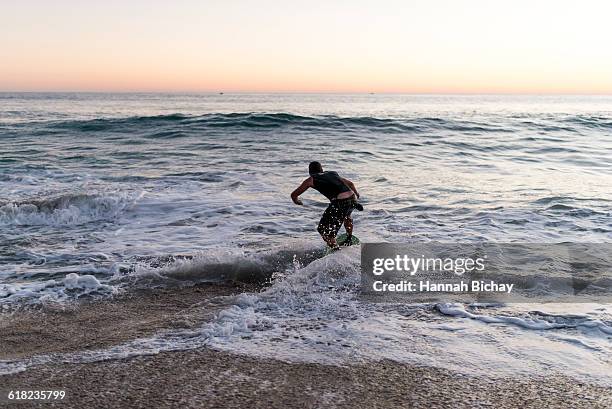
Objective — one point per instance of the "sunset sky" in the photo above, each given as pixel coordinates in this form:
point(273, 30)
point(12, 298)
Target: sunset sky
point(431, 46)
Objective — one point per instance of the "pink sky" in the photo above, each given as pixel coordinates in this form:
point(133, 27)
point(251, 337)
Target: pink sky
point(315, 46)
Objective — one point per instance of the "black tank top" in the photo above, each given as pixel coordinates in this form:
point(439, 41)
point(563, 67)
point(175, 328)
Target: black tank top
point(329, 184)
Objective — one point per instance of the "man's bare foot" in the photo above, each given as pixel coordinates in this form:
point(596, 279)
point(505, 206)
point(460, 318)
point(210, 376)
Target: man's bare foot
point(348, 241)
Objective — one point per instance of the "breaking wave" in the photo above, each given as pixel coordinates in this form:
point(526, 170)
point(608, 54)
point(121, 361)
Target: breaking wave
point(220, 265)
point(67, 209)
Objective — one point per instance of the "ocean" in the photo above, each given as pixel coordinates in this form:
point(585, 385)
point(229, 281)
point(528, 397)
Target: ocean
point(104, 193)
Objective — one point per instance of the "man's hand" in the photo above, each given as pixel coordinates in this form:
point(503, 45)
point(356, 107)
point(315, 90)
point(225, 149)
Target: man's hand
point(301, 189)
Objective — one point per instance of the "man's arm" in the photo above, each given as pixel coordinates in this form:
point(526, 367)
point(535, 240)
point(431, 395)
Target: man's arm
point(351, 186)
point(301, 189)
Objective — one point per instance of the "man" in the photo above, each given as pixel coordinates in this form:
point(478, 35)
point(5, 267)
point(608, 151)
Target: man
point(342, 195)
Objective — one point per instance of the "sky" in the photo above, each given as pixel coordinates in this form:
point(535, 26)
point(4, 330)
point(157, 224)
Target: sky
point(410, 46)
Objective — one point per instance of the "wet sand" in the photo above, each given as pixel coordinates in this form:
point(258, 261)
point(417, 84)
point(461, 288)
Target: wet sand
point(206, 378)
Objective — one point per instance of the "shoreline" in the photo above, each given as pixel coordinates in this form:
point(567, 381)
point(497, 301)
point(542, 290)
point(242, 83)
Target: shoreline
point(211, 378)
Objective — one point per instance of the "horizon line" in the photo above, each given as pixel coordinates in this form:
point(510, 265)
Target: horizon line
point(221, 92)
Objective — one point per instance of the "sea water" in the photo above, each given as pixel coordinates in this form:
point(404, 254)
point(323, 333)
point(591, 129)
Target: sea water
point(101, 193)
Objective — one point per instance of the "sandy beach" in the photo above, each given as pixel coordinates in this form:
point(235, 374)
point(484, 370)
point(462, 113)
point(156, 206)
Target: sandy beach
point(210, 378)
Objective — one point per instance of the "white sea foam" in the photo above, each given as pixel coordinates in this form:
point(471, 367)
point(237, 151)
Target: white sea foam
point(569, 321)
point(73, 281)
point(71, 287)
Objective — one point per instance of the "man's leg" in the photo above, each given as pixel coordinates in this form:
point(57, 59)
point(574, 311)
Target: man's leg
point(348, 226)
point(327, 235)
point(331, 241)
point(329, 225)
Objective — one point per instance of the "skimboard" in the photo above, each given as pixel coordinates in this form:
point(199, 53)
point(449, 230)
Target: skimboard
point(341, 239)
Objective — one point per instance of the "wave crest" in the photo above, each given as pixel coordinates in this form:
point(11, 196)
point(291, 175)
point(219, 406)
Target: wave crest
point(256, 120)
point(67, 209)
